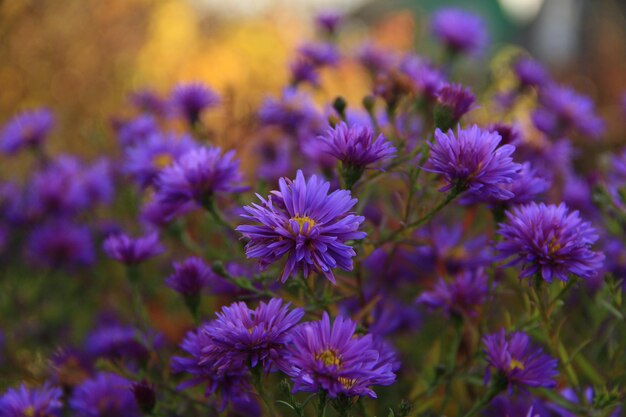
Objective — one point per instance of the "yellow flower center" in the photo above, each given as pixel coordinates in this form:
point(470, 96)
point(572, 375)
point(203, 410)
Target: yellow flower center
point(346, 382)
point(329, 357)
point(30, 411)
point(515, 364)
point(554, 245)
point(302, 220)
point(162, 160)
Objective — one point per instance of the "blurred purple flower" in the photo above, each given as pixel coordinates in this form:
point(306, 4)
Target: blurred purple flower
point(137, 131)
point(104, 395)
point(517, 363)
point(453, 101)
point(190, 99)
point(329, 21)
point(460, 297)
point(550, 241)
point(459, 30)
point(563, 110)
point(319, 54)
point(27, 129)
point(190, 277)
point(427, 78)
point(114, 341)
point(127, 250)
point(530, 73)
point(305, 223)
point(44, 401)
point(61, 244)
point(293, 111)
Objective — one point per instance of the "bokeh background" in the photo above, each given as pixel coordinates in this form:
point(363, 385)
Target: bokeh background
point(82, 57)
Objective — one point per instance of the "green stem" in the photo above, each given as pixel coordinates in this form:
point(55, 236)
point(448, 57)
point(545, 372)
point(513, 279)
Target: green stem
point(321, 405)
point(485, 400)
point(132, 272)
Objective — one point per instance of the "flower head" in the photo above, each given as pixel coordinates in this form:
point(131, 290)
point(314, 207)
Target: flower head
point(115, 341)
point(27, 129)
point(61, 244)
point(337, 361)
point(137, 131)
point(355, 145)
point(232, 386)
point(319, 54)
point(242, 336)
point(129, 250)
point(305, 223)
point(329, 21)
point(191, 99)
point(530, 73)
point(44, 401)
point(459, 30)
point(293, 111)
point(197, 176)
point(190, 277)
point(459, 297)
point(453, 101)
point(550, 241)
point(104, 395)
point(517, 362)
point(473, 160)
point(564, 110)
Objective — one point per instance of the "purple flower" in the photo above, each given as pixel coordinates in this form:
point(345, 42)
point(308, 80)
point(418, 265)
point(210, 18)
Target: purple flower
point(319, 54)
point(104, 395)
point(375, 59)
point(305, 223)
point(329, 21)
point(428, 79)
point(150, 102)
point(61, 244)
point(115, 341)
point(190, 277)
point(137, 131)
point(473, 160)
point(303, 70)
point(274, 159)
point(191, 99)
point(527, 187)
point(44, 401)
point(510, 134)
point(549, 240)
point(27, 129)
point(459, 30)
point(453, 101)
point(233, 385)
point(242, 336)
point(127, 250)
point(145, 160)
point(292, 111)
point(337, 361)
point(460, 297)
point(517, 363)
point(355, 145)
point(530, 73)
point(145, 396)
point(564, 110)
point(197, 176)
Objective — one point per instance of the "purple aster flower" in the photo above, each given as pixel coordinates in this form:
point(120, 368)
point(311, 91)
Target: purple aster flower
point(563, 110)
point(127, 250)
point(319, 54)
point(329, 21)
point(425, 77)
point(44, 401)
point(337, 361)
point(305, 223)
point(473, 160)
point(356, 148)
point(137, 130)
point(453, 101)
point(145, 160)
point(150, 102)
point(197, 176)
point(530, 73)
point(293, 111)
point(104, 395)
point(191, 99)
point(274, 159)
point(96, 182)
point(460, 297)
point(233, 386)
point(517, 363)
point(115, 341)
point(303, 71)
point(27, 129)
point(459, 30)
point(190, 277)
point(527, 187)
point(510, 134)
point(549, 240)
point(241, 335)
point(61, 244)
point(375, 59)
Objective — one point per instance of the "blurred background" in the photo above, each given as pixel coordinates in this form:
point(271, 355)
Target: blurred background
point(82, 57)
